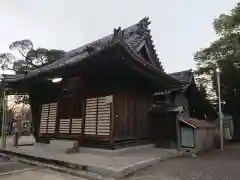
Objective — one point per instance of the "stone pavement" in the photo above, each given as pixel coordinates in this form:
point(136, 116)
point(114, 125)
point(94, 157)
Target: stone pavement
point(39, 174)
point(8, 164)
point(12, 169)
point(107, 164)
point(23, 140)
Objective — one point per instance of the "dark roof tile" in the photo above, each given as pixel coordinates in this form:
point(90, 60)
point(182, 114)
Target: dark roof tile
point(183, 76)
point(132, 37)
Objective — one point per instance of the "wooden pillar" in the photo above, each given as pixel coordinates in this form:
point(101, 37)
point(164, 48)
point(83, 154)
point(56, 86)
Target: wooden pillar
point(112, 121)
point(35, 108)
point(126, 117)
point(81, 140)
point(178, 130)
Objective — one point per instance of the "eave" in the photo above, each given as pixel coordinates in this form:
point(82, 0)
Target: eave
point(48, 72)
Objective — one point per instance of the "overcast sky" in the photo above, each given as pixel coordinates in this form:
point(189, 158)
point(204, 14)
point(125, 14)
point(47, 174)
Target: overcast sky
point(179, 27)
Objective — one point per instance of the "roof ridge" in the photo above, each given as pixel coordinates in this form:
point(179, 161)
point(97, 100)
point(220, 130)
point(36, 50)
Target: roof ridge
point(141, 28)
point(131, 37)
point(188, 70)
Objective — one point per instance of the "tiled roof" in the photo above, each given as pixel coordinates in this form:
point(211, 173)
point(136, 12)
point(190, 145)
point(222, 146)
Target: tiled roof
point(184, 77)
point(132, 38)
point(196, 123)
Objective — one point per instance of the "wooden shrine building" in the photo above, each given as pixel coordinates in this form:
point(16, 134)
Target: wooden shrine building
point(178, 103)
point(105, 90)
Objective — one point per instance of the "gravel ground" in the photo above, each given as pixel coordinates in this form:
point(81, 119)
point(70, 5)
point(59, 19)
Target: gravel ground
point(214, 165)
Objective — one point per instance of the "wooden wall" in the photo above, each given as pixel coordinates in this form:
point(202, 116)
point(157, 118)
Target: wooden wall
point(75, 116)
point(130, 116)
point(85, 113)
point(92, 119)
point(163, 129)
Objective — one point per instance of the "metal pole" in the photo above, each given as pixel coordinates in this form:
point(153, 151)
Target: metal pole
point(3, 118)
point(220, 108)
point(6, 114)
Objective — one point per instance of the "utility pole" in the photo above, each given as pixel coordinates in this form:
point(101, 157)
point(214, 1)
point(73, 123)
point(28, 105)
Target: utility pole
point(220, 107)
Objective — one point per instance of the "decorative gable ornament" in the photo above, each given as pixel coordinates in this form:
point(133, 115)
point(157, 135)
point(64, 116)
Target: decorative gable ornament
point(143, 26)
point(118, 34)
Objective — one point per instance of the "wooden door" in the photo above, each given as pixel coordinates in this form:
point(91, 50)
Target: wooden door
point(70, 117)
point(163, 130)
point(76, 117)
point(64, 116)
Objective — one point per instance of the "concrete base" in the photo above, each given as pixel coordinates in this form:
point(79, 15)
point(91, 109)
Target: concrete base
point(116, 152)
point(70, 147)
point(106, 163)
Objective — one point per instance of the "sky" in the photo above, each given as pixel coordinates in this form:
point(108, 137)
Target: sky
point(179, 27)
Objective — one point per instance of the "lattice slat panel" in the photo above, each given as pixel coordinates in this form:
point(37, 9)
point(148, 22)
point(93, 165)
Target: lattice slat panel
point(76, 126)
point(90, 116)
point(64, 126)
point(104, 116)
point(44, 118)
point(52, 117)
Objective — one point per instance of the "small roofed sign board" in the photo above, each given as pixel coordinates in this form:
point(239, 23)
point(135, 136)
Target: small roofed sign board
point(187, 137)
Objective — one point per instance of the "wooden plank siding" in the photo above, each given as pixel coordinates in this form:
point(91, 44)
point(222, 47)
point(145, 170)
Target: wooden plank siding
point(98, 116)
point(48, 119)
point(91, 116)
point(128, 121)
point(106, 113)
point(62, 119)
point(131, 117)
point(67, 120)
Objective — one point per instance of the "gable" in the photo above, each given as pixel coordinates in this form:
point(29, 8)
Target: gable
point(181, 100)
point(152, 52)
point(145, 54)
